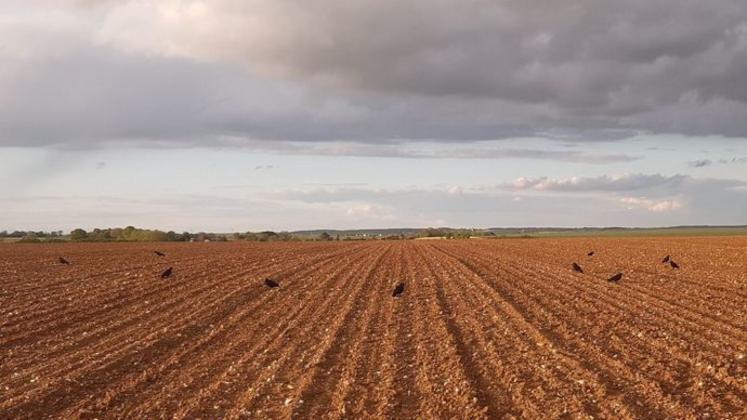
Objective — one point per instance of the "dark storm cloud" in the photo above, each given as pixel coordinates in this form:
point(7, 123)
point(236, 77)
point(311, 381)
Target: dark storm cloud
point(578, 65)
point(108, 96)
point(577, 54)
point(183, 73)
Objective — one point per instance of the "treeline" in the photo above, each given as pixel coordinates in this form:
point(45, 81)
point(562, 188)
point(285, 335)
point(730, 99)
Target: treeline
point(32, 236)
point(18, 234)
point(128, 234)
point(133, 234)
point(265, 236)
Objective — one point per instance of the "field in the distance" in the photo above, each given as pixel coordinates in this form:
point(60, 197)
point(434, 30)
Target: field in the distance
point(485, 328)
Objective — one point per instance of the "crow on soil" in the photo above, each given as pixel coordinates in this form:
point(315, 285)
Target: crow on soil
point(167, 273)
point(577, 268)
point(398, 290)
point(616, 277)
point(271, 283)
point(63, 261)
point(666, 259)
point(159, 253)
point(674, 264)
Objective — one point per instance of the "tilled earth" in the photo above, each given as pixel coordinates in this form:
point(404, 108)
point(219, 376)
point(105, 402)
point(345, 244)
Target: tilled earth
point(485, 329)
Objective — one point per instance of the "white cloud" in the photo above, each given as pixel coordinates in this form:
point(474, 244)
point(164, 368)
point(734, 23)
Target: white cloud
point(455, 190)
point(627, 182)
point(651, 205)
point(666, 205)
point(368, 210)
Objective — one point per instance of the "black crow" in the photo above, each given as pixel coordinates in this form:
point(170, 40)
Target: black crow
point(159, 253)
point(577, 268)
point(167, 273)
point(398, 290)
point(271, 283)
point(666, 259)
point(590, 253)
point(616, 277)
point(63, 261)
point(674, 264)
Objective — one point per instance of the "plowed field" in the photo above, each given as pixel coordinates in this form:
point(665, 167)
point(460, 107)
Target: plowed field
point(484, 329)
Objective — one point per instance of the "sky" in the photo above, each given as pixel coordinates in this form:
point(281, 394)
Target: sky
point(238, 115)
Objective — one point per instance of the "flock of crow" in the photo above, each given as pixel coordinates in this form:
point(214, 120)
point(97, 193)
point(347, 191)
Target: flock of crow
point(269, 283)
point(617, 277)
point(400, 288)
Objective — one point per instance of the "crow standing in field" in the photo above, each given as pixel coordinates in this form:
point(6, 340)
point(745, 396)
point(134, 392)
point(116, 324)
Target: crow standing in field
point(63, 261)
point(167, 273)
point(590, 253)
point(616, 277)
point(398, 290)
point(666, 259)
point(577, 268)
point(271, 283)
point(674, 264)
point(159, 253)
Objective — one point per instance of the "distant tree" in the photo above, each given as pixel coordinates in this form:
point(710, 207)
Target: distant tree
point(432, 232)
point(284, 236)
point(267, 235)
point(78, 235)
point(324, 236)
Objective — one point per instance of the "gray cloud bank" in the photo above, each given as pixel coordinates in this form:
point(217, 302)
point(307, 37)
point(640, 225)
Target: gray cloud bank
point(699, 163)
point(191, 73)
point(707, 162)
point(627, 200)
point(410, 150)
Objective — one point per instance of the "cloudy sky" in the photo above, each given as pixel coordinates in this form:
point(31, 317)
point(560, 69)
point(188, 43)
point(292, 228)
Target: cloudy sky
point(235, 115)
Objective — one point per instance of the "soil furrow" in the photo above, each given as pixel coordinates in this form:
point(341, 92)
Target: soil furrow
point(484, 329)
point(624, 355)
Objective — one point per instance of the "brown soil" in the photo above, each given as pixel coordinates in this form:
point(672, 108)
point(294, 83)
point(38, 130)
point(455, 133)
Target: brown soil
point(484, 329)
